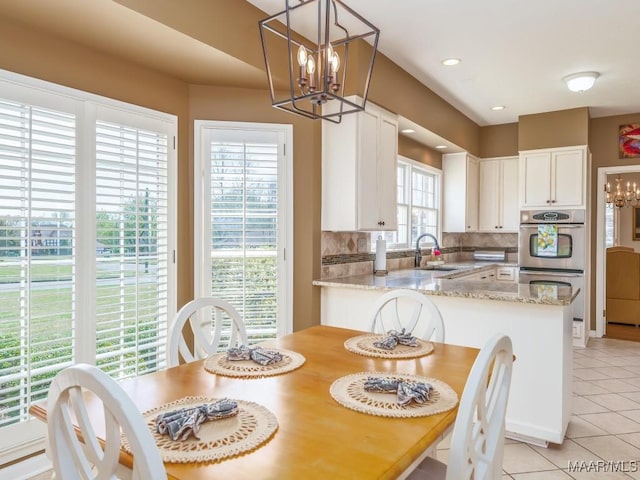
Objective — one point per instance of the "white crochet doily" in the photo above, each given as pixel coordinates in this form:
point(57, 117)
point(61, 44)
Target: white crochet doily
point(363, 345)
point(349, 392)
point(218, 363)
point(219, 439)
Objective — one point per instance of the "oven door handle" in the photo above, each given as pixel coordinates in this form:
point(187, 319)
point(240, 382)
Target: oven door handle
point(560, 225)
point(551, 274)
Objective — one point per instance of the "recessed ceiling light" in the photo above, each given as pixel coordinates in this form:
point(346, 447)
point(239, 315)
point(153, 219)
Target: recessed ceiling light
point(497, 108)
point(408, 130)
point(441, 147)
point(449, 62)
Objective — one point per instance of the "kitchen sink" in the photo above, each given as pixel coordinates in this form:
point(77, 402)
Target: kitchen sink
point(443, 268)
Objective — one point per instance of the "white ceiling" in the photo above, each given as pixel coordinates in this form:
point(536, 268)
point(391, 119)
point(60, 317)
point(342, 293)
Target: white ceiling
point(514, 52)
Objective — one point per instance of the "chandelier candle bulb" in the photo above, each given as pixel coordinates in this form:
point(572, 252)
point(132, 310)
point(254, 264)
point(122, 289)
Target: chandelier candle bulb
point(380, 263)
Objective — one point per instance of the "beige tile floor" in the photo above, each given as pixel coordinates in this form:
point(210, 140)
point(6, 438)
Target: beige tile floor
point(604, 426)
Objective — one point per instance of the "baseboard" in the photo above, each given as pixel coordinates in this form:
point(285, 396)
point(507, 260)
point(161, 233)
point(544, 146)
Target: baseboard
point(26, 469)
point(526, 439)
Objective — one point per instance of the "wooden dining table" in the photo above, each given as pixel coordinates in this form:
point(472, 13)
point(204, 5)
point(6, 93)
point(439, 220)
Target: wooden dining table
point(316, 436)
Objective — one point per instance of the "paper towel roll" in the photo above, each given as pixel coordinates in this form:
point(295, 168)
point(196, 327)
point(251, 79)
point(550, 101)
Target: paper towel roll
point(380, 263)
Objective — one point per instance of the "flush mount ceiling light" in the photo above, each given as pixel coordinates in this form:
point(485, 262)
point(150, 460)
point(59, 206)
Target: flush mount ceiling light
point(450, 62)
point(311, 45)
point(407, 130)
point(441, 147)
point(497, 108)
point(580, 82)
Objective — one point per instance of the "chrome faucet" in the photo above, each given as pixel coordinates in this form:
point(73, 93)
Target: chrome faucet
point(418, 254)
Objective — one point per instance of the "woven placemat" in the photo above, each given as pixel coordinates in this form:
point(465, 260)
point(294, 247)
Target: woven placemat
point(363, 345)
point(218, 363)
point(349, 392)
point(219, 439)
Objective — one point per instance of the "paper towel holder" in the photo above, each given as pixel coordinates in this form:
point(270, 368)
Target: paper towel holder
point(380, 262)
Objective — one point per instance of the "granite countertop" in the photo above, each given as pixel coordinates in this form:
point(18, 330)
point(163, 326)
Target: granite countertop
point(454, 284)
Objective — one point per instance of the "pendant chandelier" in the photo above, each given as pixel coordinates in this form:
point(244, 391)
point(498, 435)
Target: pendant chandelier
point(623, 197)
point(319, 58)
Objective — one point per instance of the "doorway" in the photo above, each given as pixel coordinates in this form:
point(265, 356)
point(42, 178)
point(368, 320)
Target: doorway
point(602, 328)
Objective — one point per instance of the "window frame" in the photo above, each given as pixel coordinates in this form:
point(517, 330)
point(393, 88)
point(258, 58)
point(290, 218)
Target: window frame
point(202, 211)
point(411, 165)
point(25, 437)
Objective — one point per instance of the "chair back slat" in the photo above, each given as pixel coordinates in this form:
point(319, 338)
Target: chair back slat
point(89, 460)
point(206, 317)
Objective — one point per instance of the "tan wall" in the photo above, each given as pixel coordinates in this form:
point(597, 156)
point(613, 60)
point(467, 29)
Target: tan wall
point(49, 58)
point(244, 105)
point(499, 140)
point(554, 129)
point(236, 33)
point(409, 148)
point(399, 92)
point(604, 151)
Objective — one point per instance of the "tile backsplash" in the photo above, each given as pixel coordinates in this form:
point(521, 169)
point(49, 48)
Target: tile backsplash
point(349, 253)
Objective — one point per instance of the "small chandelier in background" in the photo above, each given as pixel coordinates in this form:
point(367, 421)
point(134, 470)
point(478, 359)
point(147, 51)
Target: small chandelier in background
point(628, 197)
point(310, 45)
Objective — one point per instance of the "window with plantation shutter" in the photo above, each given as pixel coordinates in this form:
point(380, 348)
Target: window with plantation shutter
point(132, 249)
point(243, 200)
point(87, 243)
point(37, 255)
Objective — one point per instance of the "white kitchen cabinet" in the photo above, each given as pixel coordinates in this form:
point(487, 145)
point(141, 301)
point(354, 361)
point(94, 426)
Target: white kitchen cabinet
point(359, 157)
point(460, 175)
point(553, 178)
point(498, 195)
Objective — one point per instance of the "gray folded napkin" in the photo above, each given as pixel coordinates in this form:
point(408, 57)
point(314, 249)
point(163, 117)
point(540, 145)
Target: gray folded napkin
point(394, 338)
point(181, 424)
point(406, 391)
point(257, 354)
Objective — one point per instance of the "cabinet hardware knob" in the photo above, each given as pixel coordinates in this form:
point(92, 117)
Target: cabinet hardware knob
point(553, 201)
point(548, 201)
point(495, 226)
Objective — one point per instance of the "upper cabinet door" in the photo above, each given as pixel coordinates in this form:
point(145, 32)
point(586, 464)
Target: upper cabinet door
point(509, 199)
point(367, 189)
point(460, 176)
point(489, 215)
point(554, 178)
point(387, 173)
point(568, 178)
point(359, 172)
point(535, 179)
point(498, 204)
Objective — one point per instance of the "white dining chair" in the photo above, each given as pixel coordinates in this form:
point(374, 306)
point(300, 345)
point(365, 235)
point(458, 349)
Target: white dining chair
point(89, 459)
point(477, 441)
point(408, 309)
point(207, 316)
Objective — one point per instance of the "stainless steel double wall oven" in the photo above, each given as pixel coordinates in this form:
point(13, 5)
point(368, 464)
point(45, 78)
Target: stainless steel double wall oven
point(551, 251)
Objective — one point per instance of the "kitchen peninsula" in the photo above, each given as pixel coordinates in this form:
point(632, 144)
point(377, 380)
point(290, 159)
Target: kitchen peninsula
point(537, 318)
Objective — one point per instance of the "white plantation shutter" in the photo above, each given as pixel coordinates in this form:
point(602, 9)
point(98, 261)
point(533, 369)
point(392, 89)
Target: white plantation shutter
point(244, 231)
point(37, 237)
point(132, 206)
point(87, 242)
